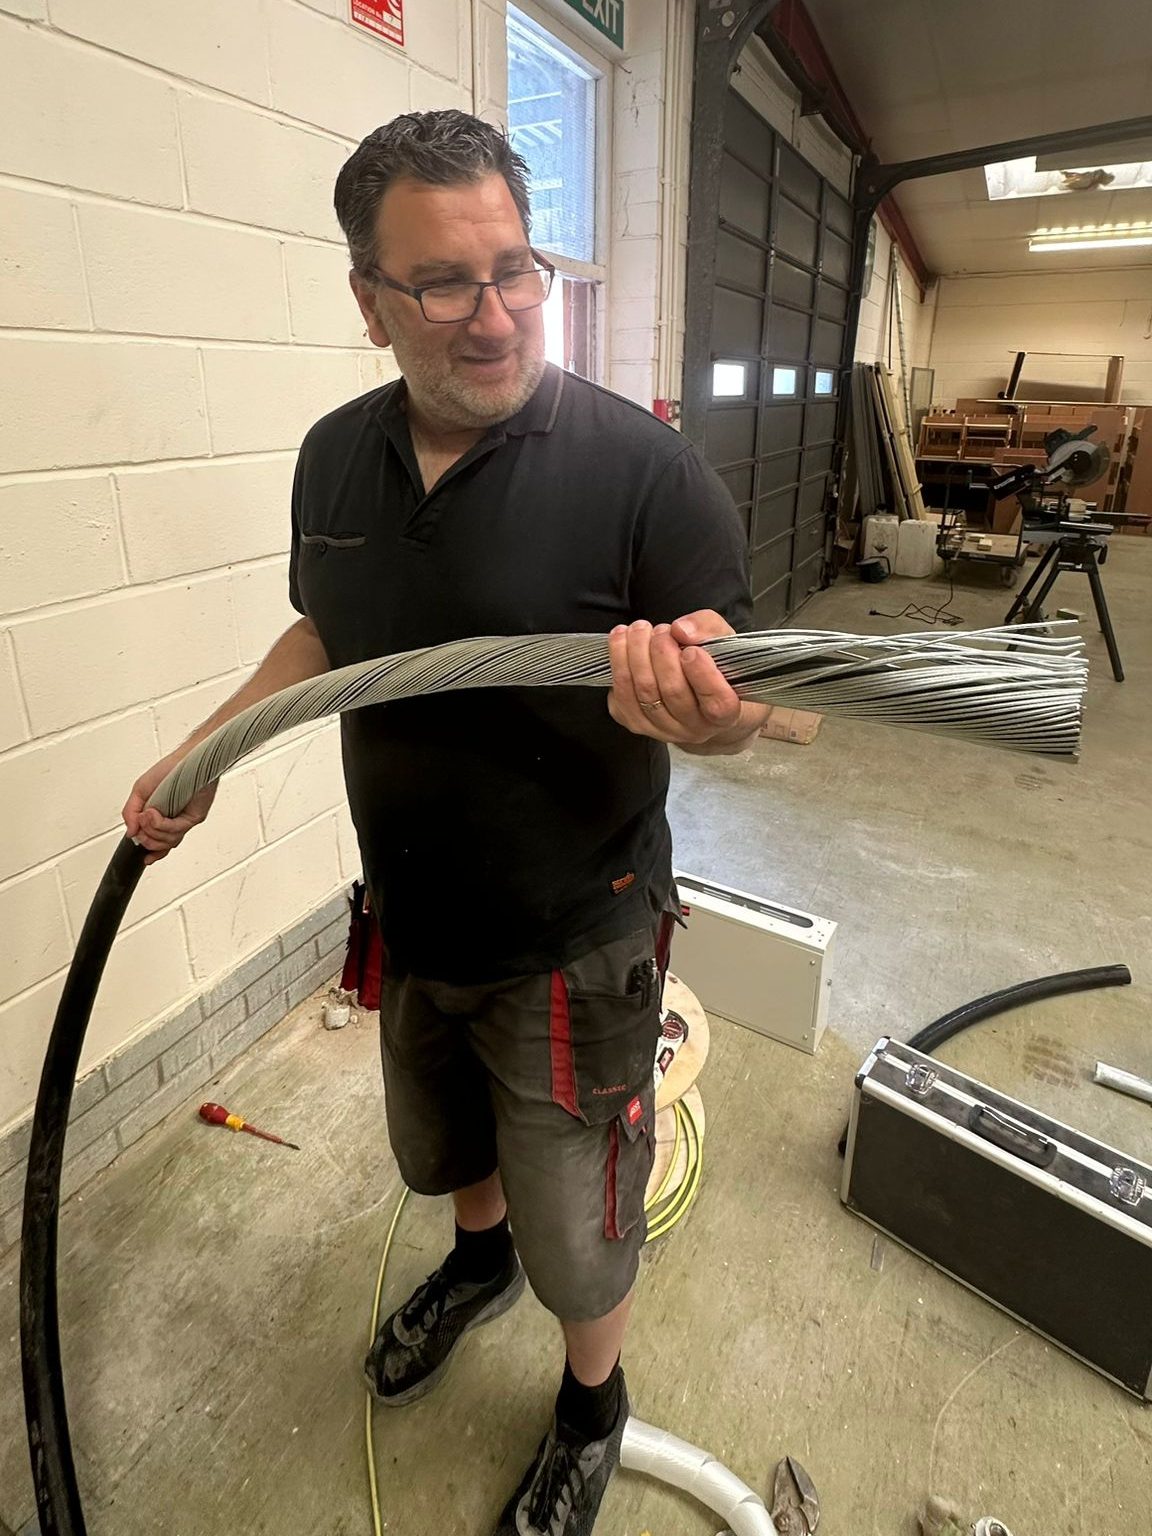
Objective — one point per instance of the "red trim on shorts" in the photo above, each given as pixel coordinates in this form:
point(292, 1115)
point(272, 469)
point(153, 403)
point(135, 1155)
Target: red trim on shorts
point(664, 932)
point(560, 1045)
point(611, 1229)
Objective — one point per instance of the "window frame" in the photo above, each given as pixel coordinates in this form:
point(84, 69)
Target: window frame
point(602, 66)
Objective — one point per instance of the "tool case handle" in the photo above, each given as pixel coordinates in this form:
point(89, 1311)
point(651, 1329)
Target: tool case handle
point(1010, 1136)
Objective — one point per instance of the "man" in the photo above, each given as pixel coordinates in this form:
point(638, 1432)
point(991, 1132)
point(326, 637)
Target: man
point(514, 840)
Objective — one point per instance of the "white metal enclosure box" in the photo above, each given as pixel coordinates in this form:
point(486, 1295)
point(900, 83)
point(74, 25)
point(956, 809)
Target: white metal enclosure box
point(754, 962)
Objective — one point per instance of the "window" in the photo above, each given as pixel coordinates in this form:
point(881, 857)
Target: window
point(557, 120)
point(570, 325)
point(552, 123)
point(728, 381)
point(824, 382)
point(783, 381)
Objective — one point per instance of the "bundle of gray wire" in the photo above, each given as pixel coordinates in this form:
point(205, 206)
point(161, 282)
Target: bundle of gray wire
point(1020, 687)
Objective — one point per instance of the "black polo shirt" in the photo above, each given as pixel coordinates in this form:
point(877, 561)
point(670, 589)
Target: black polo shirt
point(506, 831)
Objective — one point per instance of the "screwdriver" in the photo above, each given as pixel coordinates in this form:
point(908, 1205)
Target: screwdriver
point(216, 1114)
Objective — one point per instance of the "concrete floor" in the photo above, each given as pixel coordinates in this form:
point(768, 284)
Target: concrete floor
point(215, 1290)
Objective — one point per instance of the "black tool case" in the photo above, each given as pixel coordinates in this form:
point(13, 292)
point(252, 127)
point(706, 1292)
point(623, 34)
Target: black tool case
point(1047, 1223)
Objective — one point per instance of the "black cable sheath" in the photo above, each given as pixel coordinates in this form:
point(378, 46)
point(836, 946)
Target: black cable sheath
point(992, 1003)
point(949, 1024)
point(49, 1442)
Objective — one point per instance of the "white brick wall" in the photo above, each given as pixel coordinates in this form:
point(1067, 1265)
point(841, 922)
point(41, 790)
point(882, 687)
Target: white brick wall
point(981, 322)
point(74, 117)
point(261, 401)
point(257, 169)
point(647, 196)
point(60, 540)
point(98, 402)
point(166, 274)
point(174, 314)
point(230, 917)
point(80, 663)
point(876, 340)
point(180, 518)
point(41, 276)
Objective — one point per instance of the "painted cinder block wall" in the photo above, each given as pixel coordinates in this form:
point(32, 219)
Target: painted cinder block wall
point(982, 322)
point(173, 316)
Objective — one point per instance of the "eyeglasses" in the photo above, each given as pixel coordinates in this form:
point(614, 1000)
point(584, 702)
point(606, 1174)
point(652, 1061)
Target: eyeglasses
point(452, 303)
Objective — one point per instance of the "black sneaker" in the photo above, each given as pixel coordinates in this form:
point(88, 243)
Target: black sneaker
point(411, 1351)
point(562, 1489)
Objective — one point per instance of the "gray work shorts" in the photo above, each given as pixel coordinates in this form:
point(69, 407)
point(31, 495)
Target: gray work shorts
point(547, 1078)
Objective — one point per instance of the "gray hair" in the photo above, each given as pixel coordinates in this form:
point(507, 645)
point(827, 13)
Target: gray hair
point(446, 148)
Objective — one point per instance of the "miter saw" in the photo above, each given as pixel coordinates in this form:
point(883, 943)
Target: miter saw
point(1073, 461)
point(1074, 536)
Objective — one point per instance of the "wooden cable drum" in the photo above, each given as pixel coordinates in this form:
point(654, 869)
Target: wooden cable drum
point(689, 1060)
point(668, 1144)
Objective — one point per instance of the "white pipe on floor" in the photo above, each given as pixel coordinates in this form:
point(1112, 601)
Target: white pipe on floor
point(661, 1455)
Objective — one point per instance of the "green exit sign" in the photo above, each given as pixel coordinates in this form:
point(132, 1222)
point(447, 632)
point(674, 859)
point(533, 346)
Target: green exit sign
point(606, 16)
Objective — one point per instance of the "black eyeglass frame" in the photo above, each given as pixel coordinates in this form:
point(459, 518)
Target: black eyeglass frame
point(494, 282)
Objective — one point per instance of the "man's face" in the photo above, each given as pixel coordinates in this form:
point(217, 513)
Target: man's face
point(473, 373)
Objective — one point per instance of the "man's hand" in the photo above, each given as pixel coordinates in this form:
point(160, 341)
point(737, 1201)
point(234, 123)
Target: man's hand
point(160, 834)
point(665, 687)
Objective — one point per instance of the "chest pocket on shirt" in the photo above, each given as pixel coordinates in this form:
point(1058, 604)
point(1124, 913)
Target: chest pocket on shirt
point(319, 542)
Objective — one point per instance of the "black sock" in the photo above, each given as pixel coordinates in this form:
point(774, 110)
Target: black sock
point(590, 1412)
point(480, 1256)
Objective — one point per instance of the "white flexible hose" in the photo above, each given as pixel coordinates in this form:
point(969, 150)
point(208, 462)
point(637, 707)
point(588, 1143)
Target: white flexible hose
point(661, 1455)
point(1011, 687)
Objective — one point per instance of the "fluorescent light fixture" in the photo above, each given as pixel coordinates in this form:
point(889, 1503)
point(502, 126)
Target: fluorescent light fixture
point(1101, 237)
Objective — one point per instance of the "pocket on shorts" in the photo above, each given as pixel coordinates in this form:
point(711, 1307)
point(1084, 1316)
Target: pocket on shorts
point(603, 1043)
point(631, 1151)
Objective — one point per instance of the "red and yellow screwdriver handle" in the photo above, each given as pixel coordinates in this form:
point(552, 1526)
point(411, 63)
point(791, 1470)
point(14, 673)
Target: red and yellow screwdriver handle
point(216, 1114)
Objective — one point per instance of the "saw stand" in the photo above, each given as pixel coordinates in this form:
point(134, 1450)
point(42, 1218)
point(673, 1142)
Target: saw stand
point(1072, 546)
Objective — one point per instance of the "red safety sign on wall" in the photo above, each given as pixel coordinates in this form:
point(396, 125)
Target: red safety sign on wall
point(384, 17)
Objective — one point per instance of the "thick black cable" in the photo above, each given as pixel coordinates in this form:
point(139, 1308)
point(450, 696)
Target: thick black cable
point(949, 1024)
point(836, 668)
point(992, 1003)
point(49, 1442)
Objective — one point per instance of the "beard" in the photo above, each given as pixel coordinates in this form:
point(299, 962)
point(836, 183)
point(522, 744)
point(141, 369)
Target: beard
point(443, 390)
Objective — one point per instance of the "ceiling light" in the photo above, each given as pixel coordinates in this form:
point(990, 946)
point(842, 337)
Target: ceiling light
point(1103, 237)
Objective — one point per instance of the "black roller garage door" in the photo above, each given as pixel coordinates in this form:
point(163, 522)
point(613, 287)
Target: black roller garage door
point(778, 313)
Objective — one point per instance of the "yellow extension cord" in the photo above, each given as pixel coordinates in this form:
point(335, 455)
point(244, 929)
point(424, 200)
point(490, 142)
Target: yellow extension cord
point(669, 1209)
